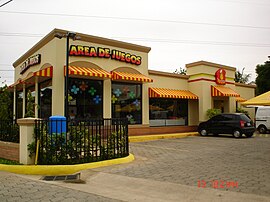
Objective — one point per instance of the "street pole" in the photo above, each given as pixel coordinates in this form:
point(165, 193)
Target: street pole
point(68, 35)
point(67, 75)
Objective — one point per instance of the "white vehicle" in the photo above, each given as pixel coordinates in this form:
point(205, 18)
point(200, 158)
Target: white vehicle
point(262, 119)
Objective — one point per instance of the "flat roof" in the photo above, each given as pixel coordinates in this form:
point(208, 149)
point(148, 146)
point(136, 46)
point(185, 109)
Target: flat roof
point(167, 74)
point(202, 62)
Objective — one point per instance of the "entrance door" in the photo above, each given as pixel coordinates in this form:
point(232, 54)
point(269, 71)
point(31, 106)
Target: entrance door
point(221, 103)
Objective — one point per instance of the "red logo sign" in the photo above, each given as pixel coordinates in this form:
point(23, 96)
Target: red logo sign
point(220, 76)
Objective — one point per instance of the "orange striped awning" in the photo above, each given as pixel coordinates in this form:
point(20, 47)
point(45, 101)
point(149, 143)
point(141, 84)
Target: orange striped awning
point(85, 71)
point(47, 72)
point(130, 76)
point(18, 85)
point(171, 93)
point(240, 99)
point(223, 91)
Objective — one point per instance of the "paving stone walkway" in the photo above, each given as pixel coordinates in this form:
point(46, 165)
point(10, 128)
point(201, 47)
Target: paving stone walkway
point(16, 188)
point(235, 167)
point(224, 163)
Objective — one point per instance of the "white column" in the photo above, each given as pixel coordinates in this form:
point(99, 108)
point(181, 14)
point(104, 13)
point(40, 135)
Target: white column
point(24, 101)
point(36, 97)
point(14, 103)
point(107, 105)
point(145, 104)
point(26, 137)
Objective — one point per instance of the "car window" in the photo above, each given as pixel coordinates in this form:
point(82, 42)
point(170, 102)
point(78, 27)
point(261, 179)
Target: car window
point(217, 118)
point(228, 117)
point(244, 117)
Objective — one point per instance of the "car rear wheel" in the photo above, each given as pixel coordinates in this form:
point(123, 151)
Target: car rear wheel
point(203, 132)
point(237, 133)
point(262, 129)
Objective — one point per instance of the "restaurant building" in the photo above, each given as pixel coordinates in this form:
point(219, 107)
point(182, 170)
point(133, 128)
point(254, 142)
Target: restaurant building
point(111, 79)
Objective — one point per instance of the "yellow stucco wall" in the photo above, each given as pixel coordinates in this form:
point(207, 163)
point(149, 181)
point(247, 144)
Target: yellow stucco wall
point(199, 80)
point(202, 77)
point(53, 53)
point(246, 92)
point(170, 82)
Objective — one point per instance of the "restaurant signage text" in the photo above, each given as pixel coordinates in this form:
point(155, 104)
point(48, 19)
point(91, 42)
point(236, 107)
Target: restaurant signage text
point(89, 51)
point(34, 60)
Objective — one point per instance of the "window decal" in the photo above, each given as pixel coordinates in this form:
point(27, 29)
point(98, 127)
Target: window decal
point(97, 99)
point(117, 92)
point(83, 86)
point(74, 89)
point(92, 91)
point(132, 95)
point(114, 99)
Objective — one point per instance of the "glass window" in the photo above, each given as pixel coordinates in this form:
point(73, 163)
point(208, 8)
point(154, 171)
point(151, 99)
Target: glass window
point(218, 118)
point(33, 93)
point(164, 112)
point(45, 99)
point(228, 117)
point(127, 101)
point(85, 98)
point(19, 104)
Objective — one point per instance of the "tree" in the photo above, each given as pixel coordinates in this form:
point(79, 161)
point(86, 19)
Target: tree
point(30, 107)
point(180, 71)
point(241, 77)
point(263, 78)
point(5, 104)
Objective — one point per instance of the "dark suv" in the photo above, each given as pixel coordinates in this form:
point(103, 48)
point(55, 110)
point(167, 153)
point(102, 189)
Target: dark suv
point(235, 124)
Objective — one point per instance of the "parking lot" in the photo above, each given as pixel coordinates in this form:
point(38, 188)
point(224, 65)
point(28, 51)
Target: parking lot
point(224, 163)
point(186, 169)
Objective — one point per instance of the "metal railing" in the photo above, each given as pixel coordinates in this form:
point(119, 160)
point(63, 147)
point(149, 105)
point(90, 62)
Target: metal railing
point(80, 141)
point(9, 131)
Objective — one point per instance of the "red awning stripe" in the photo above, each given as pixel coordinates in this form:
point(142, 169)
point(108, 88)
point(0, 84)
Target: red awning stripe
point(85, 71)
point(47, 72)
point(222, 91)
point(130, 76)
point(171, 93)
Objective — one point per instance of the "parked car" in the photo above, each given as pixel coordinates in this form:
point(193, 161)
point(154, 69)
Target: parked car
point(262, 119)
point(235, 124)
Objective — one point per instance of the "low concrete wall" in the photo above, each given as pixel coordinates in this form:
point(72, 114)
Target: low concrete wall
point(134, 130)
point(10, 150)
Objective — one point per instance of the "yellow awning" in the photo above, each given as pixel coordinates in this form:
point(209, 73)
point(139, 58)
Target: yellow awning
point(85, 71)
point(130, 76)
point(42, 75)
point(18, 84)
point(171, 93)
point(240, 99)
point(260, 100)
point(47, 72)
point(223, 91)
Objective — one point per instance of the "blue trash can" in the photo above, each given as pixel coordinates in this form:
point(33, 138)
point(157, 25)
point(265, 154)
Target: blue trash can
point(57, 124)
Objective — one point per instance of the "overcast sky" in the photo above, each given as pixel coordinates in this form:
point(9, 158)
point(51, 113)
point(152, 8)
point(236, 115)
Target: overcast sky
point(229, 32)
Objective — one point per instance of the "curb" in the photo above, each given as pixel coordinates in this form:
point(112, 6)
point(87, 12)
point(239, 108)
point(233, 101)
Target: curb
point(62, 169)
point(161, 136)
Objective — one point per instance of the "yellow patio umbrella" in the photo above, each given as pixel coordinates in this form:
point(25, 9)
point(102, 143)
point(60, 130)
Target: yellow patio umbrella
point(260, 100)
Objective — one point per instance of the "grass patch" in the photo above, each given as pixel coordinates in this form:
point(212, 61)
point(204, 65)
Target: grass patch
point(9, 162)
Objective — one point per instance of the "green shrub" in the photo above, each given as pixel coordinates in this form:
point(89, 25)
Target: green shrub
point(240, 110)
point(212, 112)
point(9, 162)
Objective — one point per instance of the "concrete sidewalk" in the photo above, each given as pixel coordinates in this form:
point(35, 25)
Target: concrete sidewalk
point(125, 188)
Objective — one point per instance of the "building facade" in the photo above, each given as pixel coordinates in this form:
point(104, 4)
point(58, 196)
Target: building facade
point(109, 79)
